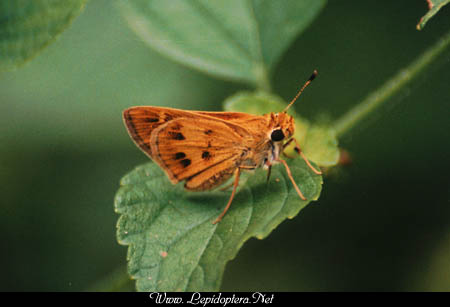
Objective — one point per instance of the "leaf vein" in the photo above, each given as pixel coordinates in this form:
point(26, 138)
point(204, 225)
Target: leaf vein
point(221, 29)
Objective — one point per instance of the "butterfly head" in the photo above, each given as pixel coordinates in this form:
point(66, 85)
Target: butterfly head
point(282, 127)
point(282, 124)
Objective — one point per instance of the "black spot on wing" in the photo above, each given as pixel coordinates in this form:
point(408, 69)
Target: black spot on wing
point(206, 155)
point(185, 162)
point(176, 135)
point(180, 155)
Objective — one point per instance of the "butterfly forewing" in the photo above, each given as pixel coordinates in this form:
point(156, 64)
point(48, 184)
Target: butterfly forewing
point(203, 148)
point(142, 121)
point(256, 126)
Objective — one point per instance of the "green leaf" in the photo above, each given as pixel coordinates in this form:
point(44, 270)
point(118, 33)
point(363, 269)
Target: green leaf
point(317, 141)
point(173, 245)
point(433, 7)
point(321, 146)
point(230, 38)
point(26, 27)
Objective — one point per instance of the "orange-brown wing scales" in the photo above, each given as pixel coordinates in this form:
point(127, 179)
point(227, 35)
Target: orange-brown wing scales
point(255, 125)
point(211, 177)
point(141, 121)
point(190, 147)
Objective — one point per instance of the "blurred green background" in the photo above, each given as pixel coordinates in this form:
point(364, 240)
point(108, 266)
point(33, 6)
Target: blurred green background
point(381, 224)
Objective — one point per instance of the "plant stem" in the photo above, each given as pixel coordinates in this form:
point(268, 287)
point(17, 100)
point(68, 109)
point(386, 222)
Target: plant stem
point(262, 78)
point(391, 87)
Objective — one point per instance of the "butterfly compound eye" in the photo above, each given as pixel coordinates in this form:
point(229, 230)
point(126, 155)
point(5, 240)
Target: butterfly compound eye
point(277, 135)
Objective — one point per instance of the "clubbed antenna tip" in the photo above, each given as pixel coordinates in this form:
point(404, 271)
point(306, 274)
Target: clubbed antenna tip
point(313, 76)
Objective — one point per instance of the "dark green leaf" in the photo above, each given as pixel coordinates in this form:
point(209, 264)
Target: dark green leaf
point(433, 7)
point(173, 245)
point(26, 27)
point(230, 38)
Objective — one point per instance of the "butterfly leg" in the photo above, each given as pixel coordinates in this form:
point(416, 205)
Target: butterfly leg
point(237, 174)
point(269, 170)
point(300, 152)
point(286, 145)
point(292, 179)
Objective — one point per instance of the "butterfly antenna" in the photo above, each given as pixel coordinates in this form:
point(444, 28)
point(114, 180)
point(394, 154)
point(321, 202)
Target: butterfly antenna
point(313, 76)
